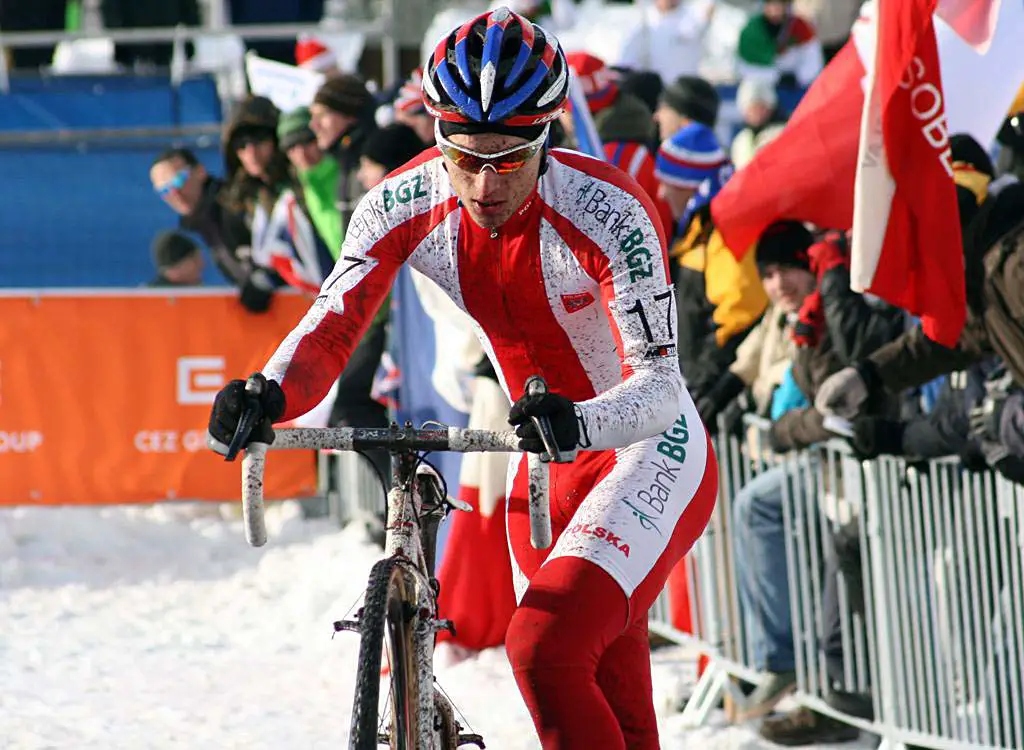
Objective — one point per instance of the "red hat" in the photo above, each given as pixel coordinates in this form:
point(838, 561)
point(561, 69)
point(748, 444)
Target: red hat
point(312, 54)
point(597, 81)
point(410, 96)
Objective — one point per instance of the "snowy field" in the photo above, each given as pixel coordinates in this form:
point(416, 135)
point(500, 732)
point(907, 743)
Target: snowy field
point(158, 627)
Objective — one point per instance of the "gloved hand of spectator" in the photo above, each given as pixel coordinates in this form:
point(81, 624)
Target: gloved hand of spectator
point(710, 405)
point(565, 421)
point(257, 291)
point(230, 403)
point(846, 393)
point(826, 255)
point(810, 324)
point(788, 81)
point(873, 437)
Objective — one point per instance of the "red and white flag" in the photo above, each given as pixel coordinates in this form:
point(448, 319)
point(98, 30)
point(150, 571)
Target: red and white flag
point(809, 172)
point(906, 233)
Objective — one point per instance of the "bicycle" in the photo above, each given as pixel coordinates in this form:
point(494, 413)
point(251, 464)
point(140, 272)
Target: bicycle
point(399, 611)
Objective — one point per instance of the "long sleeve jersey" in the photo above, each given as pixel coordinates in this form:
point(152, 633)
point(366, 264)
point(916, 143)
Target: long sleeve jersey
point(574, 287)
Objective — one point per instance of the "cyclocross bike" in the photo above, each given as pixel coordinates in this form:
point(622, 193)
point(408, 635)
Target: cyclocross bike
point(399, 610)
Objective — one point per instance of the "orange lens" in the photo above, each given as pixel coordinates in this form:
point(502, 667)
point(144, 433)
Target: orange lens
point(504, 164)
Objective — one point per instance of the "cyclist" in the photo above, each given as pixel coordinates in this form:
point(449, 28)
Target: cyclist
point(561, 262)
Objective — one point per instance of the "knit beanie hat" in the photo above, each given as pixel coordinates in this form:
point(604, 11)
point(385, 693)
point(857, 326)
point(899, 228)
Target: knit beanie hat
point(392, 146)
point(694, 98)
point(756, 90)
point(312, 54)
point(784, 243)
point(345, 94)
point(410, 97)
point(690, 157)
point(293, 129)
point(596, 79)
point(170, 248)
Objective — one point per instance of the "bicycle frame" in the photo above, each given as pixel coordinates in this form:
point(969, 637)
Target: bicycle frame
point(411, 522)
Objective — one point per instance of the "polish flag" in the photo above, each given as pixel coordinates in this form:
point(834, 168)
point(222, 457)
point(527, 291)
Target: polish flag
point(810, 172)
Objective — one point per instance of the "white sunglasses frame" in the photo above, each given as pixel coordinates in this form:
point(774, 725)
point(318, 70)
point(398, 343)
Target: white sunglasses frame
point(537, 142)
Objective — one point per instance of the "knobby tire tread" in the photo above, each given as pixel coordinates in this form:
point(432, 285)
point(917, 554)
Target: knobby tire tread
point(385, 589)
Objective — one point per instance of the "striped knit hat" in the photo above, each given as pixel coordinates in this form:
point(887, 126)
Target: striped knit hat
point(690, 157)
point(410, 96)
point(596, 79)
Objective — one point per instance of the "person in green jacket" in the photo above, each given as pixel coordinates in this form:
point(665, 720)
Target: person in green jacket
point(317, 174)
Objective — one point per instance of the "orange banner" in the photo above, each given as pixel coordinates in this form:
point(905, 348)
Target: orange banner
point(105, 397)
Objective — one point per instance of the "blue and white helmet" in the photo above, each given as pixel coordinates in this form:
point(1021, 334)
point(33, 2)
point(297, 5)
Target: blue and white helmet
point(497, 68)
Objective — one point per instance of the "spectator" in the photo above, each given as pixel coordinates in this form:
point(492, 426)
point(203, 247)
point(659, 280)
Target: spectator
point(178, 260)
point(198, 198)
point(758, 105)
point(993, 240)
point(624, 125)
point(312, 54)
point(554, 15)
point(670, 40)
point(386, 150)
point(342, 118)
point(688, 99)
point(644, 85)
point(718, 298)
point(832, 19)
point(780, 47)
point(131, 14)
point(257, 174)
point(834, 325)
point(410, 110)
point(1011, 140)
point(38, 15)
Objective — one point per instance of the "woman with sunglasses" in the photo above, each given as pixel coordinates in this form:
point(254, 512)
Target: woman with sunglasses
point(560, 260)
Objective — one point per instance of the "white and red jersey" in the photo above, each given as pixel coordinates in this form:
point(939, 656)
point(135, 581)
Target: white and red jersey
point(574, 287)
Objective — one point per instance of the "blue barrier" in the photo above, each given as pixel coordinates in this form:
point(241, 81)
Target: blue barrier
point(40, 104)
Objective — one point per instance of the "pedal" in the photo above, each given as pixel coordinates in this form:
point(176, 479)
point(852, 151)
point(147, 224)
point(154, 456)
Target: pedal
point(383, 739)
point(340, 625)
point(439, 625)
point(471, 739)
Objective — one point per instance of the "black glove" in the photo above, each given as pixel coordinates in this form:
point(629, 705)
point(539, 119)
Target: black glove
point(227, 410)
point(565, 421)
point(257, 291)
point(873, 437)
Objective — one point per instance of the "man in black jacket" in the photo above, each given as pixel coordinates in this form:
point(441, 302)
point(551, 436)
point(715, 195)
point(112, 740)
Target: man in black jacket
point(185, 185)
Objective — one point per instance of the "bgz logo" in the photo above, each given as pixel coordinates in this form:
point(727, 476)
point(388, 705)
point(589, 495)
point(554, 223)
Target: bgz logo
point(199, 379)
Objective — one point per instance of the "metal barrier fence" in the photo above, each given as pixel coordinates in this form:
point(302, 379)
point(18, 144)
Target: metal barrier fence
point(926, 564)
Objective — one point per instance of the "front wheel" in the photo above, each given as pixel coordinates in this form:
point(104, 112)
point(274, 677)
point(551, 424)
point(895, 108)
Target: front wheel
point(389, 609)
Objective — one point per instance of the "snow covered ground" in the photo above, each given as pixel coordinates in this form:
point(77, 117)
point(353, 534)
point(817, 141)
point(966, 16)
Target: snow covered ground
point(158, 627)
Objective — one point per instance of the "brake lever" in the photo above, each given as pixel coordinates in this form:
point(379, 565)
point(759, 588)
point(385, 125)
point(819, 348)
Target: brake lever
point(254, 388)
point(535, 386)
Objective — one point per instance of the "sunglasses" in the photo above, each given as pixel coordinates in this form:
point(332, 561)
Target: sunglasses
point(503, 162)
point(175, 183)
point(249, 139)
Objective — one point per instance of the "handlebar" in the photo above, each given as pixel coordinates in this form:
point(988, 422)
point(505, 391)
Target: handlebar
point(453, 439)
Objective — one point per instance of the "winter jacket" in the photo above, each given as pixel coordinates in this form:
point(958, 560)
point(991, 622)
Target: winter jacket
point(769, 51)
point(346, 152)
point(854, 326)
point(764, 357)
point(627, 130)
point(994, 260)
point(719, 300)
point(225, 233)
point(319, 193)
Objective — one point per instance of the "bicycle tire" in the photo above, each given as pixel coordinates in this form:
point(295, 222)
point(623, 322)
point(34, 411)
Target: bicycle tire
point(389, 611)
